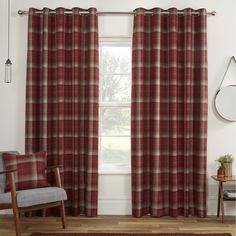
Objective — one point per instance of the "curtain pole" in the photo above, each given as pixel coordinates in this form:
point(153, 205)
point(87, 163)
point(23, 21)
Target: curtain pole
point(22, 12)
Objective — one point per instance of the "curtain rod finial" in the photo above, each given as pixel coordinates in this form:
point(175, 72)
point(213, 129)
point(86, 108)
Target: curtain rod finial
point(20, 12)
point(213, 13)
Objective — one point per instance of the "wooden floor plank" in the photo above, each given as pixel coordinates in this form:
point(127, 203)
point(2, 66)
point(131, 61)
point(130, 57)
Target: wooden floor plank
point(119, 224)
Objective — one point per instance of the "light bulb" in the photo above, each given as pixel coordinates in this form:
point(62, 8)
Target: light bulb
point(8, 71)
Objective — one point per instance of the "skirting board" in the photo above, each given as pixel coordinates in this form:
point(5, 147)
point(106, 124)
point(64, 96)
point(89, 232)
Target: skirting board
point(121, 205)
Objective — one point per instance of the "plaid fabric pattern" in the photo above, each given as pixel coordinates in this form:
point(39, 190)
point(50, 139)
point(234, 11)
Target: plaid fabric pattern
point(169, 113)
point(30, 168)
point(62, 100)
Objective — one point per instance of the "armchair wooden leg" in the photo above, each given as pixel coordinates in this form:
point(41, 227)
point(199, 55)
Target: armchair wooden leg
point(16, 220)
point(14, 204)
point(63, 215)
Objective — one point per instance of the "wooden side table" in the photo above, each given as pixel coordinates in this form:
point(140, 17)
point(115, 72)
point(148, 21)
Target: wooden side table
point(221, 197)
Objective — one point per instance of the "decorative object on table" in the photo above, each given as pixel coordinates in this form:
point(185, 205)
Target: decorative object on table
point(225, 98)
point(221, 172)
point(226, 166)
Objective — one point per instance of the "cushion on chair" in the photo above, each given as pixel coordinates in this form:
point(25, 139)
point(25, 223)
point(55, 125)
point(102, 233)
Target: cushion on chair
point(2, 168)
point(31, 197)
point(30, 170)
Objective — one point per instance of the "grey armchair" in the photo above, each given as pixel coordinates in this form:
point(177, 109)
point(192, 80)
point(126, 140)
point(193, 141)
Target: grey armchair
point(30, 199)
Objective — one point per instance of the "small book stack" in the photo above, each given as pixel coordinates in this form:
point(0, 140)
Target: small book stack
point(230, 193)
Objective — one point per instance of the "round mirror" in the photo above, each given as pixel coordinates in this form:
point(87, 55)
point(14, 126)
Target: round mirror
point(225, 102)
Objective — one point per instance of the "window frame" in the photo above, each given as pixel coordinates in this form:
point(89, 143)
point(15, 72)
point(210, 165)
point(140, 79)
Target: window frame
point(114, 168)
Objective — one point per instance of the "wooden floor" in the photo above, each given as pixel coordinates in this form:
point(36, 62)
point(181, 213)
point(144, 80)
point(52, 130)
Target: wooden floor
point(120, 224)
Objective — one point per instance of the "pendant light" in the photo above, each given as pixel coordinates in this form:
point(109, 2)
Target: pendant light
point(8, 64)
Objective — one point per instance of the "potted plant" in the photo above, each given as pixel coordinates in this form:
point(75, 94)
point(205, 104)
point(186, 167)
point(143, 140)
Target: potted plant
point(226, 164)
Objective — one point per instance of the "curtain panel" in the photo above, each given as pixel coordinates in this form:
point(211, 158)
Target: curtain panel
point(62, 100)
point(169, 113)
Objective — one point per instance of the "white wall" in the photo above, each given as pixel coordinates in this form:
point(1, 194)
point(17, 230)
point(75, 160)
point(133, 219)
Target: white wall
point(114, 190)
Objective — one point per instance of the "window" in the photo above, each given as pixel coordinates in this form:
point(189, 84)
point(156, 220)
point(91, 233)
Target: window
point(114, 106)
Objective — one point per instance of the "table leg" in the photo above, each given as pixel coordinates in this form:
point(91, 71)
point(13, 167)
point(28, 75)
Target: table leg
point(218, 205)
point(222, 200)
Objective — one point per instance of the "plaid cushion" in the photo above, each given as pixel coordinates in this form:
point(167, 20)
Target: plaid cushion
point(30, 170)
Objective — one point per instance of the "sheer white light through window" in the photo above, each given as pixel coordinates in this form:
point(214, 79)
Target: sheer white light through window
point(114, 106)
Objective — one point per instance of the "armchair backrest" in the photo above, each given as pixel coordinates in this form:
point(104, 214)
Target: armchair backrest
point(2, 168)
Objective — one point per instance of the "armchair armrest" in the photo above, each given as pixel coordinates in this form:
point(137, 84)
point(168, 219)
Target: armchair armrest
point(10, 174)
point(52, 168)
point(57, 177)
point(7, 172)
point(56, 173)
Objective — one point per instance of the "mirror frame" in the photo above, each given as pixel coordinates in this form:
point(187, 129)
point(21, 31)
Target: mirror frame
point(218, 112)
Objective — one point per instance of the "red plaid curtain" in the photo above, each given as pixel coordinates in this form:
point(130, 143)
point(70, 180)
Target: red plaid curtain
point(169, 113)
point(62, 100)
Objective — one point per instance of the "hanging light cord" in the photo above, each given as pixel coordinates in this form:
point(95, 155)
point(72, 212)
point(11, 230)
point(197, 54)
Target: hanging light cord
point(8, 33)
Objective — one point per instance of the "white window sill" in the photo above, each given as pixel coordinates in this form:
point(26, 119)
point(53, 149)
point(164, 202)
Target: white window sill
point(107, 172)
